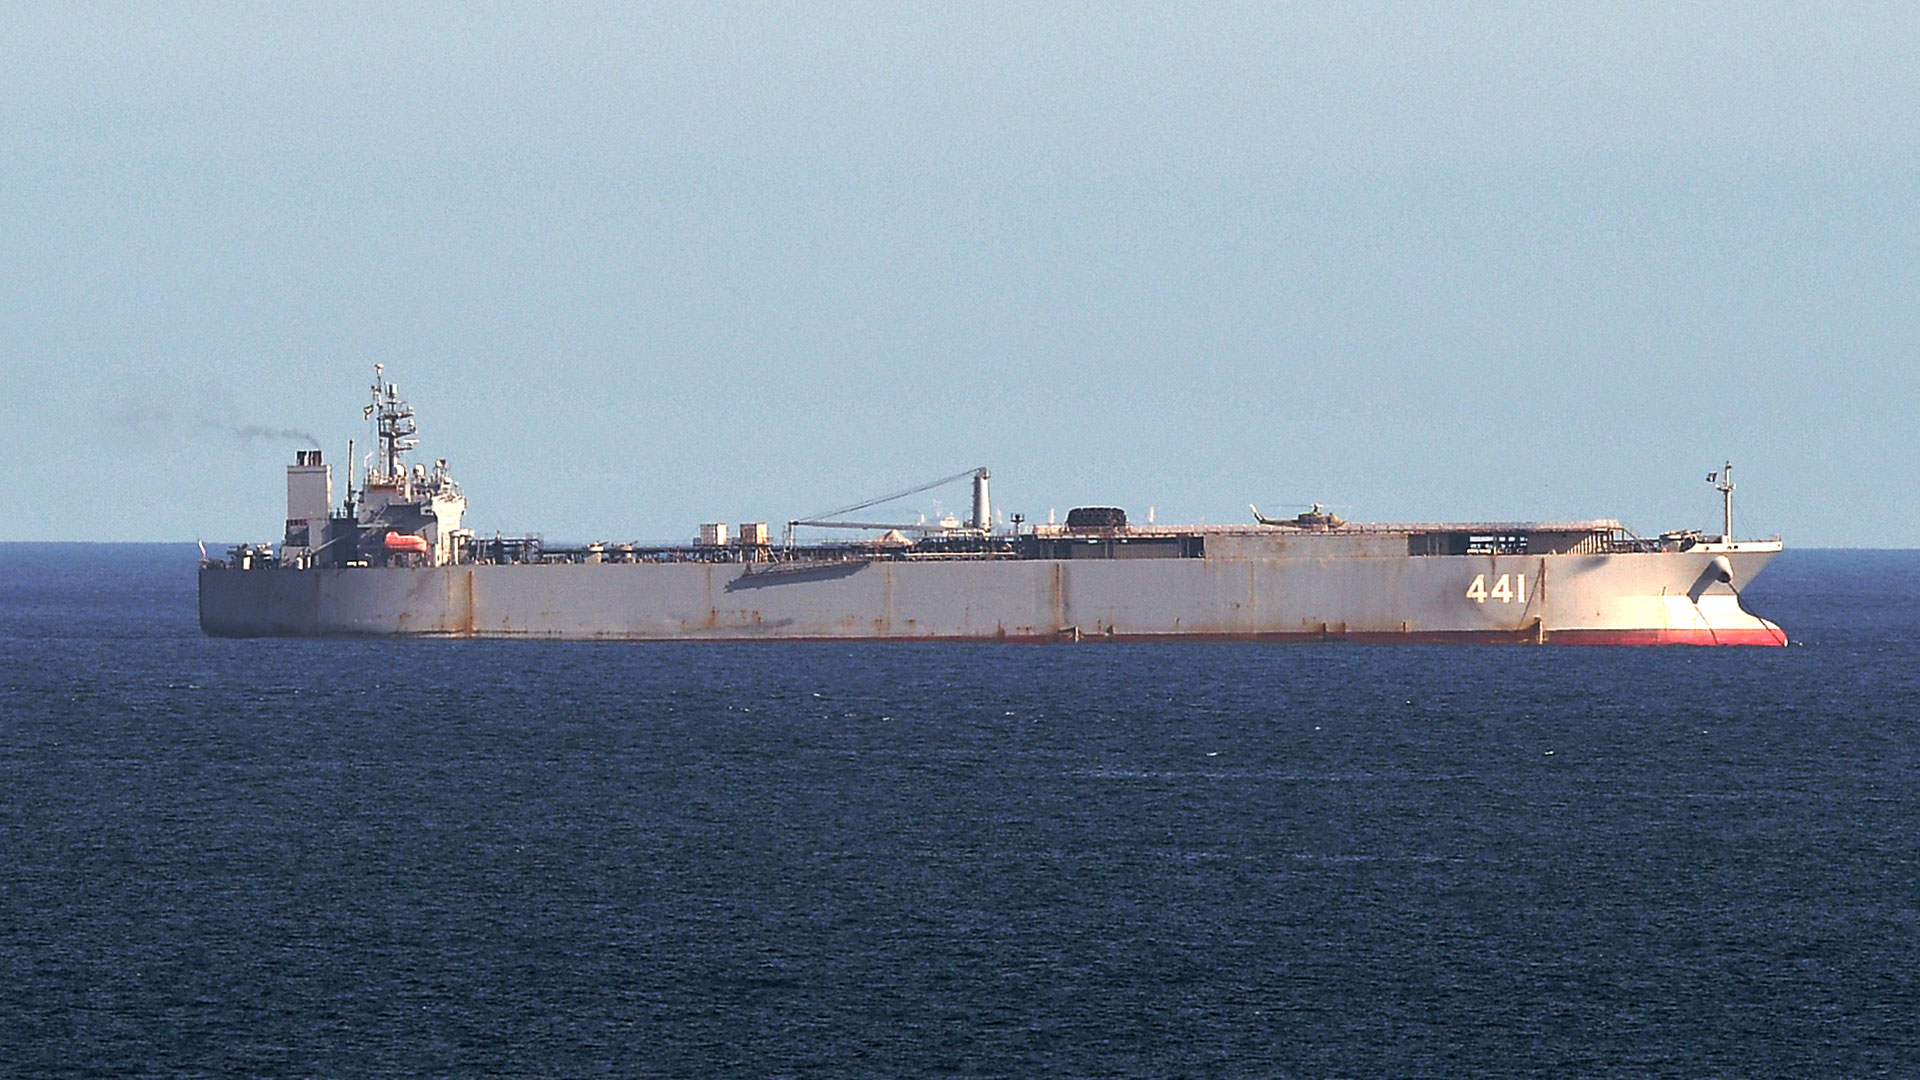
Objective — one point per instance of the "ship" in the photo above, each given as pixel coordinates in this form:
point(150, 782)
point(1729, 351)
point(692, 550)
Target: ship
point(394, 558)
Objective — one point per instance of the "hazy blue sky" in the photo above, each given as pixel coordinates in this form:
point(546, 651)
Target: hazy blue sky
point(643, 267)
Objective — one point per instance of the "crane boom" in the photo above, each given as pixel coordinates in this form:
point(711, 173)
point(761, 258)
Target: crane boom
point(919, 528)
point(818, 519)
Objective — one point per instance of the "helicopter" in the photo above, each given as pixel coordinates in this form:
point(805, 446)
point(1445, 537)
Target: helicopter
point(1316, 517)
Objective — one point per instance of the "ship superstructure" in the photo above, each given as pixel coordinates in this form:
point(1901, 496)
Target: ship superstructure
point(395, 559)
point(398, 516)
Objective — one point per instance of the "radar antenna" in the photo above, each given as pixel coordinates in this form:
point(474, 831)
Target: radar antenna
point(394, 420)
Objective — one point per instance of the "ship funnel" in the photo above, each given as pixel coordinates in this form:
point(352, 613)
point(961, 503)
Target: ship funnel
point(982, 507)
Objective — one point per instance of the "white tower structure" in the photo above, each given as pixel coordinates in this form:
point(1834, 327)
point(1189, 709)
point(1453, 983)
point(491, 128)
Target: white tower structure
point(982, 505)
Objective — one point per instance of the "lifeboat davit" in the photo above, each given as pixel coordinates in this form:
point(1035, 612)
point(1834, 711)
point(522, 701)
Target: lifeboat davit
point(405, 542)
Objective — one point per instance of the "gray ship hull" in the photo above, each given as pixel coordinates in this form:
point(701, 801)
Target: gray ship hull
point(1658, 597)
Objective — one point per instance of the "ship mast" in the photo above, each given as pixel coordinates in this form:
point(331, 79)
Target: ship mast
point(1723, 483)
point(394, 419)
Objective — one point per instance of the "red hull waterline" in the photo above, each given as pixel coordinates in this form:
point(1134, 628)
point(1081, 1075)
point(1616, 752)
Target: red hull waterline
point(1764, 637)
point(1772, 637)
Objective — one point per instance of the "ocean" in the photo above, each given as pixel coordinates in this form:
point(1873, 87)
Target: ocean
point(453, 858)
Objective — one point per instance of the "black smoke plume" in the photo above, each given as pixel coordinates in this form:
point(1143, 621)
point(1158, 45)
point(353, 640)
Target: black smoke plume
point(157, 407)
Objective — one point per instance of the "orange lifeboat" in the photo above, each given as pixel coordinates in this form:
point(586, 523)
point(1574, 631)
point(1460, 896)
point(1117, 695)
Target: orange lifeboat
point(405, 542)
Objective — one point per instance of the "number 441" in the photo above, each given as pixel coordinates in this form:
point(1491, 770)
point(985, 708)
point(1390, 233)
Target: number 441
point(1507, 588)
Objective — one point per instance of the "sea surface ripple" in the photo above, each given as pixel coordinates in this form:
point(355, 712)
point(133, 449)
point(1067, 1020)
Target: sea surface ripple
point(391, 858)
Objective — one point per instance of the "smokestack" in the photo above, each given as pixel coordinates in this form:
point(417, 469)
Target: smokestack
point(982, 508)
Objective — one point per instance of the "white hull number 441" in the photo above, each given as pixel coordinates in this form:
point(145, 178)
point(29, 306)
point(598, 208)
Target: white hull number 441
point(1507, 588)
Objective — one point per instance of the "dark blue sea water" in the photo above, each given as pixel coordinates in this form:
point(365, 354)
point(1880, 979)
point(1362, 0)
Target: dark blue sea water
point(347, 858)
